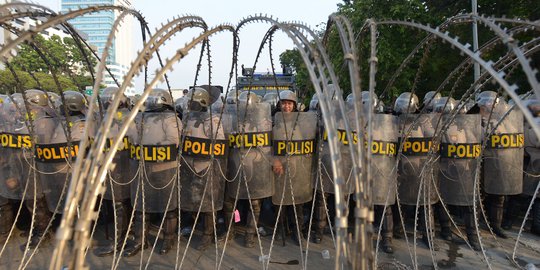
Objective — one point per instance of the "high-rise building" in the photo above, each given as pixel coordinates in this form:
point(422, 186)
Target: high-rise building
point(98, 26)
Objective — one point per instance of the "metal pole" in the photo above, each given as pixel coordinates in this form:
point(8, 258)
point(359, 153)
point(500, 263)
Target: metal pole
point(475, 38)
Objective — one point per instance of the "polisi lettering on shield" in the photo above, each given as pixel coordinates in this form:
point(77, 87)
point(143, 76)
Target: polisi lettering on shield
point(461, 150)
point(16, 141)
point(417, 146)
point(56, 152)
point(249, 139)
point(204, 148)
point(342, 136)
point(383, 148)
point(154, 153)
point(507, 140)
point(293, 148)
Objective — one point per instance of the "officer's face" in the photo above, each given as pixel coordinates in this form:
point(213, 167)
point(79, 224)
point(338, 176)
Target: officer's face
point(287, 106)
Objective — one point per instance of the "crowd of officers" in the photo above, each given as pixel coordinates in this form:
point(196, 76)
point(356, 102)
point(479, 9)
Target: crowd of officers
point(208, 158)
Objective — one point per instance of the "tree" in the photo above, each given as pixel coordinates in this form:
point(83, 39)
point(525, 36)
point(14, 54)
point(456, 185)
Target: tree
point(62, 56)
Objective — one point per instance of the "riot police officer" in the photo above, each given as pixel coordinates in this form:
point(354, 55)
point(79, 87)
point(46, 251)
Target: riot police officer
point(294, 136)
point(118, 179)
point(417, 164)
point(204, 153)
point(383, 149)
point(155, 150)
point(249, 127)
point(503, 162)
point(460, 151)
point(429, 101)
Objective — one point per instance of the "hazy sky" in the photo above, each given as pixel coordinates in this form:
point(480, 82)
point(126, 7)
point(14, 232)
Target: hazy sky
point(314, 13)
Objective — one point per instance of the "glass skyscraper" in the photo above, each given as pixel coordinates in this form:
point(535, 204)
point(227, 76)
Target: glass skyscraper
point(98, 26)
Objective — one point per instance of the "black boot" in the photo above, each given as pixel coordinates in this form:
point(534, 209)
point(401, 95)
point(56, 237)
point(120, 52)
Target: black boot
point(320, 218)
point(535, 215)
point(398, 231)
point(140, 229)
point(251, 226)
point(228, 209)
point(208, 232)
point(6, 219)
point(42, 217)
point(386, 245)
point(298, 223)
point(169, 232)
point(495, 214)
point(121, 223)
point(510, 209)
point(426, 231)
point(470, 229)
point(444, 221)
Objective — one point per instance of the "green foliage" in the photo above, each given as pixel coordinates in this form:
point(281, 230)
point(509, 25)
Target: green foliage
point(64, 58)
point(433, 63)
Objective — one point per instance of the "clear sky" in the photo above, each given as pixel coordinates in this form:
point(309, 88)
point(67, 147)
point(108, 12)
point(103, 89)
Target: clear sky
point(313, 13)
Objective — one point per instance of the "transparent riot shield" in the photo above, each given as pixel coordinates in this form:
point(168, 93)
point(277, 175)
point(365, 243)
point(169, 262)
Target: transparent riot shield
point(54, 157)
point(119, 178)
point(384, 149)
point(461, 145)
point(249, 129)
point(503, 155)
point(156, 187)
point(326, 181)
point(16, 169)
point(417, 169)
point(204, 163)
point(531, 178)
point(294, 145)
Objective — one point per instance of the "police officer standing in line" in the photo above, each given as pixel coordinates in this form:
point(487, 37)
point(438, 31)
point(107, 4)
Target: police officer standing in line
point(503, 155)
point(415, 169)
point(8, 112)
point(383, 161)
point(294, 136)
point(249, 127)
point(117, 182)
point(156, 150)
point(460, 151)
point(204, 159)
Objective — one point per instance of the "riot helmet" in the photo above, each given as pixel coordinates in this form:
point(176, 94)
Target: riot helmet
point(158, 100)
point(445, 105)
point(232, 97)
point(272, 99)
point(314, 103)
point(36, 98)
point(248, 97)
point(198, 99)
point(74, 101)
point(108, 95)
point(430, 98)
point(406, 103)
point(367, 103)
point(285, 97)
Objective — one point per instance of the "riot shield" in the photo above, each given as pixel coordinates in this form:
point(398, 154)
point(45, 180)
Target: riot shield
point(503, 155)
point(119, 178)
point(532, 166)
point(326, 181)
point(156, 188)
point(249, 129)
point(461, 145)
point(204, 163)
point(16, 169)
point(417, 168)
point(384, 149)
point(294, 144)
point(54, 156)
